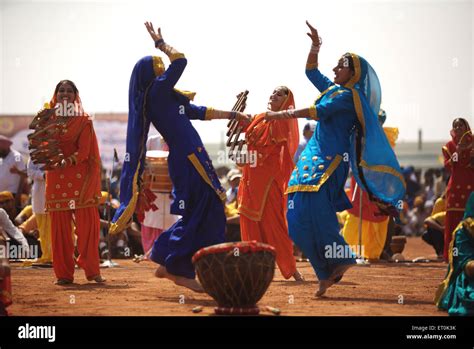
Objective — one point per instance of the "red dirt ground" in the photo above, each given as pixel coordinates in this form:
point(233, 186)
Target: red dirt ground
point(132, 289)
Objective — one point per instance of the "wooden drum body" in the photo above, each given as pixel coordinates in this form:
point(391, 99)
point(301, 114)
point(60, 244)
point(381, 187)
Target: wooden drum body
point(236, 275)
point(156, 176)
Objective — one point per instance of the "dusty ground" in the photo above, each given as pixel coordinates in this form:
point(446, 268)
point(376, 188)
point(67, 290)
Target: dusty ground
point(131, 289)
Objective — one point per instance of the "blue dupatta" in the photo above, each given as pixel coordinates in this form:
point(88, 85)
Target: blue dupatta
point(373, 161)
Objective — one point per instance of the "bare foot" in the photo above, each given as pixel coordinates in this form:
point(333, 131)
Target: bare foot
point(298, 276)
point(99, 279)
point(162, 273)
point(339, 271)
point(62, 282)
point(323, 286)
point(192, 284)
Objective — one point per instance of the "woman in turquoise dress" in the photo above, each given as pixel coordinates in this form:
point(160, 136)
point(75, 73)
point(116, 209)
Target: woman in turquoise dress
point(347, 134)
point(456, 292)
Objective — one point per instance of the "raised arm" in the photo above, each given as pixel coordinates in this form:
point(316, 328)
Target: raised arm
point(170, 51)
point(178, 62)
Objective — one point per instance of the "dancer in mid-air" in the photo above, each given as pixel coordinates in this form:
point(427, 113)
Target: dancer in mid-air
point(198, 195)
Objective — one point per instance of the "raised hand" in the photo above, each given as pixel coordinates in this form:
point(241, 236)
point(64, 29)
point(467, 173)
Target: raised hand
point(154, 35)
point(314, 35)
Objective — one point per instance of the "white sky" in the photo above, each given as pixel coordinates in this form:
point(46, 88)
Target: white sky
point(422, 52)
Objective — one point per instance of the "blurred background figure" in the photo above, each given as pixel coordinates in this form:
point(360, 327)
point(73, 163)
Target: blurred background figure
point(12, 170)
point(308, 131)
point(232, 206)
point(434, 234)
point(43, 219)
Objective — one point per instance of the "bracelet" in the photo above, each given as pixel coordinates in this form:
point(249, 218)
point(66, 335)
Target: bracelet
point(315, 49)
point(233, 115)
point(159, 42)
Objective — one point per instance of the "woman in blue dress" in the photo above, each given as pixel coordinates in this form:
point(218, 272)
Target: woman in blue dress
point(347, 135)
point(198, 195)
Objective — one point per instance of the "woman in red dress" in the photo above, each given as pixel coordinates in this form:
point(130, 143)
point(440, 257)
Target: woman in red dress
point(459, 162)
point(73, 189)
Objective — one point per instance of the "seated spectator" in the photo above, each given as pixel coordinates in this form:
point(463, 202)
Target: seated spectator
point(14, 233)
point(7, 202)
point(416, 218)
point(24, 215)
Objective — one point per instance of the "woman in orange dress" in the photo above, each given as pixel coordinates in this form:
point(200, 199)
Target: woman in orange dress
point(261, 195)
point(73, 189)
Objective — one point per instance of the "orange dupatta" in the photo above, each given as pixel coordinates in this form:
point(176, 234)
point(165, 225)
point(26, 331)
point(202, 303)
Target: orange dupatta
point(275, 142)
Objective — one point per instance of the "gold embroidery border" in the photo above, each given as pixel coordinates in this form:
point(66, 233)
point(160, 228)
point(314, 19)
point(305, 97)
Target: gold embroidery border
point(198, 166)
point(325, 176)
point(384, 169)
point(127, 214)
point(256, 215)
point(357, 71)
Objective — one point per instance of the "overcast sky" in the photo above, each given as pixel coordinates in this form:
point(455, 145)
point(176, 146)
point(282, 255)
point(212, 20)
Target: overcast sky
point(422, 52)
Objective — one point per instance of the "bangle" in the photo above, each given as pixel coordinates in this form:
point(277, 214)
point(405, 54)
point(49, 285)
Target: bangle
point(233, 115)
point(315, 49)
point(159, 42)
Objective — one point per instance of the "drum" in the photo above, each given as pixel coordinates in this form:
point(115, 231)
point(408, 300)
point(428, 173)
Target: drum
point(236, 275)
point(156, 176)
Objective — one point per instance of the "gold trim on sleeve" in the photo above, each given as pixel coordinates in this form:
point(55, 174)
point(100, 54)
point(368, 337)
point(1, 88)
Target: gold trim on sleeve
point(313, 112)
point(209, 113)
point(176, 56)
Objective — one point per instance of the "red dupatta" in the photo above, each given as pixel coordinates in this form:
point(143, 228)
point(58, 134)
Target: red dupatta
point(76, 124)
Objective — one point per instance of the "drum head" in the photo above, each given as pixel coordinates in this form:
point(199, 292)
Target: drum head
point(157, 154)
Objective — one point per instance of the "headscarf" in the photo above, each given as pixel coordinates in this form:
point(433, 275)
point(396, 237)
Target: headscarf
point(465, 136)
point(373, 161)
point(290, 147)
point(292, 137)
